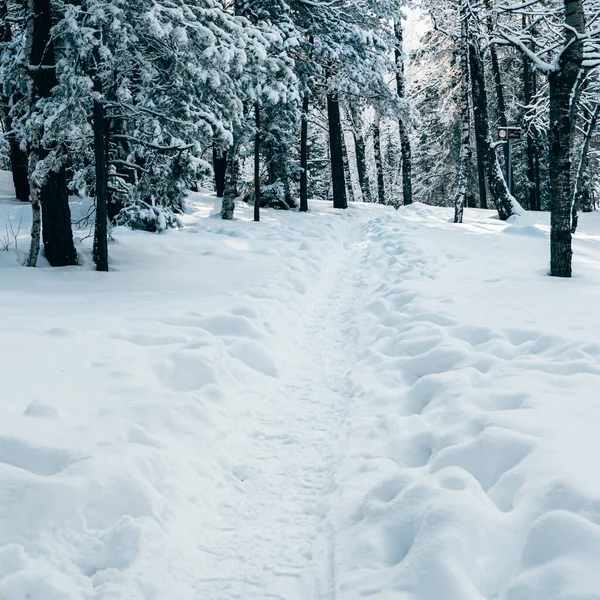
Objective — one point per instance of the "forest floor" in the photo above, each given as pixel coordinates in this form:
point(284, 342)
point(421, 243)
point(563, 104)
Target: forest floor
point(325, 406)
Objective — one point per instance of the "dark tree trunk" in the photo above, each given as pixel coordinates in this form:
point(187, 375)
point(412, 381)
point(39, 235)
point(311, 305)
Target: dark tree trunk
point(503, 201)
point(533, 183)
point(57, 233)
point(257, 163)
point(481, 132)
point(335, 148)
point(219, 167)
point(100, 144)
point(378, 161)
point(561, 84)
point(304, 155)
point(405, 148)
point(465, 114)
point(230, 193)
point(19, 168)
point(18, 157)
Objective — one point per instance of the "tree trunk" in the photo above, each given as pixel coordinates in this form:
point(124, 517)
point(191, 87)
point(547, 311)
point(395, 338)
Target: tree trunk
point(18, 157)
point(335, 148)
point(57, 233)
point(36, 205)
point(347, 177)
point(561, 84)
point(497, 76)
point(403, 127)
point(581, 164)
point(257, 163)
point(465, 118)
point(219, 168)
point(19, 169)
point(304, 155)
point(361, 154)
point(230, 192)
point(101, 229)
point(480, 120)
point(533, 182)
point(378, 161)
point(503, 201)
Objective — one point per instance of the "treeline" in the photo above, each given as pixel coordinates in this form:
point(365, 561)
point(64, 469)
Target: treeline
point(491, 64)
point(133, 102)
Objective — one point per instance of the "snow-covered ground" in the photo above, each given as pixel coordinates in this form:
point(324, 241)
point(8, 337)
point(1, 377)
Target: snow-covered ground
point(337, 405)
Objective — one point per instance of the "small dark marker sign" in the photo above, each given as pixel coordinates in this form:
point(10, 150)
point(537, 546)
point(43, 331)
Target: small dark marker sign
point(509, 133)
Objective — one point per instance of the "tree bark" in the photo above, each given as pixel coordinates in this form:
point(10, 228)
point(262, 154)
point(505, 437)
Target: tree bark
point(497, 77)
point(101, 228)
point(503, 201)
point(336, 154)
point(304, 155)
point(361, 154)
point(347, 177)
point(57, 233)
point(403, 127)
point(480, 119)
point(465, 119)
point(36, 205)
point(581, 165)
point(335, 148)
point(533, 182)
point(561, 84)
point(18, 157)
point(257, 163)
point(378, 161)
point(18, 167)
point(219, 168)
point(230, 192)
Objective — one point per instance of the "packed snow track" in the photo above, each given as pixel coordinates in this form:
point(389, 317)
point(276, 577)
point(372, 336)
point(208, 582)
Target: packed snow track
point(338, 405)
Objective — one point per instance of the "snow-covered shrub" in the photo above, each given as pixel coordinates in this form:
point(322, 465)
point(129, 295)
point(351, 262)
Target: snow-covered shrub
point(144, 217)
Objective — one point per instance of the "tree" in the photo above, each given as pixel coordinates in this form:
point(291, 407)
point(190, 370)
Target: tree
point(465, 111)
point(381, 196)
point(563, 59)
point(47, 171)
point(335, 149)
point(9, 96)
point(403, 125)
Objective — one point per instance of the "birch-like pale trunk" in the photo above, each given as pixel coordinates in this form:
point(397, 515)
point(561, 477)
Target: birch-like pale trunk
point(581, 164)
point(36, 204)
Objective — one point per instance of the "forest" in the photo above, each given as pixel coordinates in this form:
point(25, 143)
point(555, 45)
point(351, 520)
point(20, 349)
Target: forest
point(136, 103)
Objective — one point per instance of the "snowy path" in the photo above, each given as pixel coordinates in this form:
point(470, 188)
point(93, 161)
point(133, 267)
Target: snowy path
point(331, 406)
point(269, 531)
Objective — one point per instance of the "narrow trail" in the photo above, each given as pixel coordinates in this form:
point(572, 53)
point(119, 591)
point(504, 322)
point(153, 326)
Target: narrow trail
point(272, 535)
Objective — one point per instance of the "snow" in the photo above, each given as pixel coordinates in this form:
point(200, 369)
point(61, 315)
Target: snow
point(339, 404)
